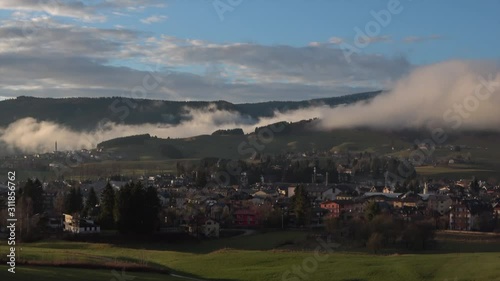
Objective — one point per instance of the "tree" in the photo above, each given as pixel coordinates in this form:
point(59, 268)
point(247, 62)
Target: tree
point(332, 225)
point(226, 216)
point(372, 210)
point(124, 214)
point(60, 203)
point(74, 201)
point(275, 218)
point(376, 167)
point(417, 235)
point(34, 191)
point(25, 212)
point(385, 225)
point(151, 209)
point(91, 203)
point(474, 186)
point(106, 217)
point(137, 209)
point(375, 242)
point(78, 200)
point(171, 216)
point(301, 206)
point(359, 231)
point(201, 178)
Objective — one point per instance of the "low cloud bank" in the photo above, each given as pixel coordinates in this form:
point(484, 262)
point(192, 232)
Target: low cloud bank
point(455, 95)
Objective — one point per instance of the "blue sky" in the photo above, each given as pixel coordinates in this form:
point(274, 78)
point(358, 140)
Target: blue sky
point(467, 28)
point(253, 51)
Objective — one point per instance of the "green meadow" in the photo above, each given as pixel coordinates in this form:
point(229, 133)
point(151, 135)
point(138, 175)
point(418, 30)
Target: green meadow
point(262, 256)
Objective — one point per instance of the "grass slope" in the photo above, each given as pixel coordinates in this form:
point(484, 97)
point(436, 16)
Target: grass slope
point(38, 273)
point(243, 260)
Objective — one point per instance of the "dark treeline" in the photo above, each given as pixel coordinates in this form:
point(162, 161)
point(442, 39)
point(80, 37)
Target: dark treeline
point(133, 209)
point(377, 230)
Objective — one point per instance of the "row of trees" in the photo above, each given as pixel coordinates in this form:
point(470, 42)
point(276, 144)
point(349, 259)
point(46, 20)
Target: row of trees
point(132, 209)
point(280, 168)
point(378, 230)
point(275, 168)
point(375, 230)
point(136, 209)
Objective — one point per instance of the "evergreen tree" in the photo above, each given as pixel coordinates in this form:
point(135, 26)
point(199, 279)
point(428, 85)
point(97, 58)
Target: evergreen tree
point(68, 201)
point(74, 201)
point(151, 209)
point(137, 209)
point(474, 186)
point(78, 200)
point(34, 191)
point(124, 214)
point(201, 178)
point(106, 217)
point(60, 203)
point(301, 206)
point(90, 204)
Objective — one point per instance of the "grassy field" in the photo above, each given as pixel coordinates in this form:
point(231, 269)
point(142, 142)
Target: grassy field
point(454, 171)
point(128, 168)
point(257, 257)
point(54, 274)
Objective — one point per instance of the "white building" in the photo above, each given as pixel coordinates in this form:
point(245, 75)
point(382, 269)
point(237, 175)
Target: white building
point(80, 226)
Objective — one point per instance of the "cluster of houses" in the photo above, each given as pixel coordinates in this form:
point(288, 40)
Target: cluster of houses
point(205, 211)
point(450, 204)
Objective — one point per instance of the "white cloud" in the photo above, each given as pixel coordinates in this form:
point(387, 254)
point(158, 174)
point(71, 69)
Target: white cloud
point(336, 40)
point(75, 9)
point(31, 135)
point(315, 44)
point(86, 61)
point(453, 95)
point(375, 39)
point(420, 100)
point(154, 19)
point(416, 39)
point(78, 10)
point(313, 65)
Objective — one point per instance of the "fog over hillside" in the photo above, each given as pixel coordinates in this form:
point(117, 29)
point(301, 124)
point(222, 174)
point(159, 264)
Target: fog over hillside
point(453, 95)
point(458, 95)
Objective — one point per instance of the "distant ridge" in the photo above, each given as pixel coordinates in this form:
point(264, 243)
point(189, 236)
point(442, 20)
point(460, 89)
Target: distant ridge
point(86, 113)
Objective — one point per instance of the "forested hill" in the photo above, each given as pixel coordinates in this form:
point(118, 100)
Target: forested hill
point(86, 113)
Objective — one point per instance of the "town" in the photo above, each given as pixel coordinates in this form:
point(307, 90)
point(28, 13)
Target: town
point(237, 140)
point(291, 191)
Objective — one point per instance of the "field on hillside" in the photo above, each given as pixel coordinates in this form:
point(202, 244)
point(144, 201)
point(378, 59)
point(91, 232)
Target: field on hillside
point(155, 156)
point(130, 168)
point(238, 147)
point(257, 257)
